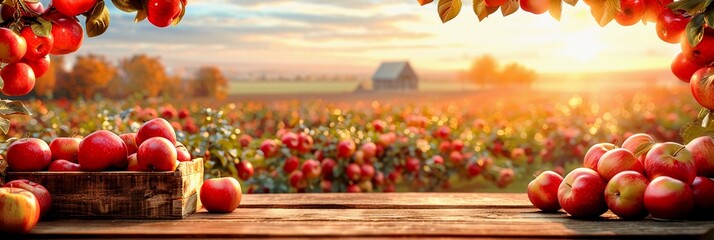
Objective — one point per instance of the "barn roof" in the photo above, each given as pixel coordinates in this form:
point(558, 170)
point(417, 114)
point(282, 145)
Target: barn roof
point(390, 70)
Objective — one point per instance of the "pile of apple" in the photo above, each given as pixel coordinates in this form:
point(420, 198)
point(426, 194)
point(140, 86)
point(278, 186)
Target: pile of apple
point(152, 148)
point(29, 33)
point(666, 180)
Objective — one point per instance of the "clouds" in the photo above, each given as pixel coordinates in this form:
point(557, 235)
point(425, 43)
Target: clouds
point(306, 36)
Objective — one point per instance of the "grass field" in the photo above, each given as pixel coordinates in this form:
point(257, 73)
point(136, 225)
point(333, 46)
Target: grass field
point(273, 88)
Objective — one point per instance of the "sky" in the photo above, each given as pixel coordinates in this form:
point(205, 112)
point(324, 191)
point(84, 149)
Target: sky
point(354, 36)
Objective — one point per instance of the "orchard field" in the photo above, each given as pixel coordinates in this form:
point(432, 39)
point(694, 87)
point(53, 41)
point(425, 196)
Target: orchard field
point(489, 140)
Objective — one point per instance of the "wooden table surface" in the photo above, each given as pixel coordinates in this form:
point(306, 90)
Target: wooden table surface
point(378, 215)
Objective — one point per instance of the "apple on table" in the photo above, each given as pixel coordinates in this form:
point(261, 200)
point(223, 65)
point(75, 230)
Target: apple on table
point(221, 195)
point(19, 209)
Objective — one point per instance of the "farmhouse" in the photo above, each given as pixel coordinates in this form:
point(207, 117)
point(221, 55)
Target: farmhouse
point(395, 76)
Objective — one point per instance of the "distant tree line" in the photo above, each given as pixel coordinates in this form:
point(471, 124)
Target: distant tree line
point(91, 75)
point(486, 71)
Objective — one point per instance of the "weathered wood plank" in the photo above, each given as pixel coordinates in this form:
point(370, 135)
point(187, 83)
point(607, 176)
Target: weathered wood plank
point(122, 194)
point(264, 222)
point(387, 200)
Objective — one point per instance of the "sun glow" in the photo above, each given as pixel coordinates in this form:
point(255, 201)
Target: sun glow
point(582, 47)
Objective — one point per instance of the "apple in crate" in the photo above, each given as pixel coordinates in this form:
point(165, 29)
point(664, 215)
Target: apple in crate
point(672, 160)
point(157, 127)
point(40, 192)
point(543, 191)
point(133, 163)
point(130, 141)
point(29, 154)
point(221, 195)
point(64, 166)
point(592, 156)
point(19, 209)
point(702, 149)
point(157, 154)
point(616, 161)
point(625, 195)
point(581, 193)
point(65, 148)
point(102, 150)
point(669, 198)
point(182, 154)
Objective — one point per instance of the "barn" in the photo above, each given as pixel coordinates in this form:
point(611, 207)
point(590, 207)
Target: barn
point(395, 76)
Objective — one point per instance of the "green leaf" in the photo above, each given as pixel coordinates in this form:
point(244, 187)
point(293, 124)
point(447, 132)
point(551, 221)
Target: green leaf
point(571, 2)
point(449, 9)
point(98, 20)
point(696, 129)
point(42, 27)
point(140, 16)
point(424, 2)
point(8, 107)
point(709, 16)
point(692, 7)
point(510, 7)
point(556, 8)
point(128, 5)
point(695, 30)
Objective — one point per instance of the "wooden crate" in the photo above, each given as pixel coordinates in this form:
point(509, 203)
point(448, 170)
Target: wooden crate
point(139, 195)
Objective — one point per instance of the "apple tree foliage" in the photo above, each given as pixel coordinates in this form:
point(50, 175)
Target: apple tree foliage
point(96, 23)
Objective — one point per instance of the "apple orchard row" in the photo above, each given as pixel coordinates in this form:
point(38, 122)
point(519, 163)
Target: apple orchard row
point(396, 146)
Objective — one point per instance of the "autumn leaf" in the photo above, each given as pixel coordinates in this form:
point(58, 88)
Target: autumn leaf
point(449, 9)
point(424, 2)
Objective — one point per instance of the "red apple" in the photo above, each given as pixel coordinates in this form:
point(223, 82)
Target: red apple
point(73, 7)
point(535, 6)
point(369, 149)
point(40, 192)
point(637, 140)
point(133, 163)
point(505, 177)
point(353, 172)
point(65, 148)
point(326, 186)
point(702, 53)
point(245, 170)
point(703, 190)
point(353, 188)
point(543, 191)
point(296, 180)
point(305, 143)
point(182, 154)
point(473, 169)
point(67, 34)
point(625, 195)
point(669, 198)
point(162, 13)
point(245, 140)
point(328, 168)
point(616, 161)
point(581, 193)
point(37, 47)
point(269, 148)
point(702, 87)
point(12, 46)
point(672, 160)
point(311, 169)
point(157, 154)
point(19, 209)
point(592, 156)
point(631, 12)
point(671, 25)
point(221, 195)
point(291, 164)
point(367, 171)
point(290, 140)
point(702, 149)
point(28, 154)
point(683, 68)
point(39, 67)
point(379, 125)
point(62, 165)
point(412, 164)
point(130, 141)
point(157, 127)
point(102, 150)
point(18, 79)
point(346, 148)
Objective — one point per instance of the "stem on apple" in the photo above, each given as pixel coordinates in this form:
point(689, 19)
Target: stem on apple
point(679, 150)
point(570, 186)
